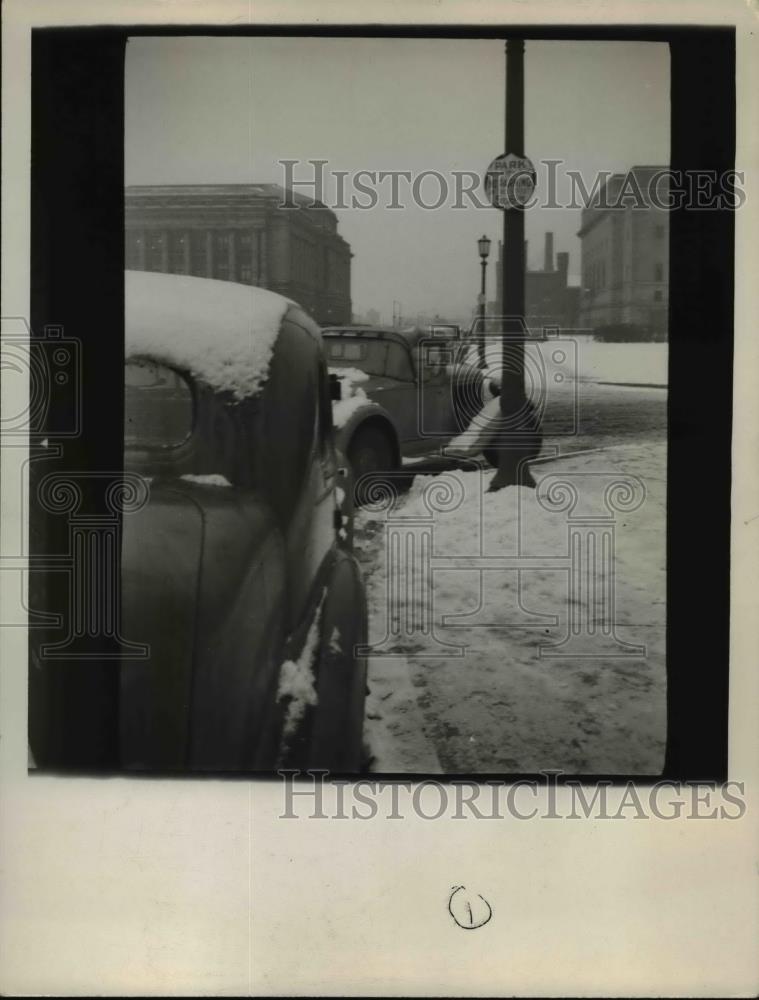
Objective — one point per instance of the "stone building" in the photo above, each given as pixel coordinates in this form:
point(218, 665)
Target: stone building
point(550, 301)
point(241, 232)
point(625, 255)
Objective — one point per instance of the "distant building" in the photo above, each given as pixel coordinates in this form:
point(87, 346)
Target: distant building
point(239, 232)
point(625, 256)
point(425, 320)
point(549, 299)
point(369, 318)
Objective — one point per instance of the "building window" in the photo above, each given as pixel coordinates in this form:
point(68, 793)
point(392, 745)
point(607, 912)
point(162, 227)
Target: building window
point(658, 272)
point(134, 248)
point(245, 258)
point(301, 262)
point(177, 247)
point(155, 252)
point(221, 256)
point(198, 254)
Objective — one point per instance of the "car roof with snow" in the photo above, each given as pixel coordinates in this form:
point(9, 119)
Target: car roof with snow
point(221, 332)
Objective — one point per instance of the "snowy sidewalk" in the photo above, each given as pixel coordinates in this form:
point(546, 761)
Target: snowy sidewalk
point(463, 684)
point(623, 364)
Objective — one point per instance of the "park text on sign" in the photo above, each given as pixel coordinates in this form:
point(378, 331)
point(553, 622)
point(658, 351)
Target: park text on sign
point(510, 181)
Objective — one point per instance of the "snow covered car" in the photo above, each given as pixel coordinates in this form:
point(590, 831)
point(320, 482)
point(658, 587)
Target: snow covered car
point(403, 393)
point(234, 573)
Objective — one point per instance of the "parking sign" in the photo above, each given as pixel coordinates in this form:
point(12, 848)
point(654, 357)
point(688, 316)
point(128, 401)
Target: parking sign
point(510, 181)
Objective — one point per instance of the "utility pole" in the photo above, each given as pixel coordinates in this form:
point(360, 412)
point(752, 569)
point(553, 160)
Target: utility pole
point(396, 314)
point(514, 427)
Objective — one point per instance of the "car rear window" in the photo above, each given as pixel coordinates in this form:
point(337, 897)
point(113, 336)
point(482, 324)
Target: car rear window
point(158, 406)
point(369, 356)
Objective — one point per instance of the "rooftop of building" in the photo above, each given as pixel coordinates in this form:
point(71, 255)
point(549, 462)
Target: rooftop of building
point(191, 192)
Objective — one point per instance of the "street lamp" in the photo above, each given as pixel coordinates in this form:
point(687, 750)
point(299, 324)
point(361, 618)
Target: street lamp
point(483, 246)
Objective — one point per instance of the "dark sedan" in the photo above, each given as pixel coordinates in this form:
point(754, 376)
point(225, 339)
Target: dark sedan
point(234, 573)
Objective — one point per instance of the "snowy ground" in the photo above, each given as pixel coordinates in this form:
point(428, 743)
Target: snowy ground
point(587, 360)
point(463, 684)
point(637, 364)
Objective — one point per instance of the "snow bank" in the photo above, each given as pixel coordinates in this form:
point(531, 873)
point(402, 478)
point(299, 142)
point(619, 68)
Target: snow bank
point(221, 332)
point(353, 396)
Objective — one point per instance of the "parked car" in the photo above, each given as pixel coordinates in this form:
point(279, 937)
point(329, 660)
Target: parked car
point(406, 393)
point(234, 573)
point(400, 395)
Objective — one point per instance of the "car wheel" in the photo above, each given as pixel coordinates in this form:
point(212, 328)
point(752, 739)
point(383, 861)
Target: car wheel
point(330, 735)
point(370, 452)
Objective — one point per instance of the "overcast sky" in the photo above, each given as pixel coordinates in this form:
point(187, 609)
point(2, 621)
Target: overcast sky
point(225, 110)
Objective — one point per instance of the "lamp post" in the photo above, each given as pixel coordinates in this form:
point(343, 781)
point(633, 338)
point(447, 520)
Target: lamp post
point(483, 246)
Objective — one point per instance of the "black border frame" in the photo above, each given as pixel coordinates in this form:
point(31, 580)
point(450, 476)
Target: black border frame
point(77, 282)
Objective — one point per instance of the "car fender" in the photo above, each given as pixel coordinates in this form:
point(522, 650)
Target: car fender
point(360, 416)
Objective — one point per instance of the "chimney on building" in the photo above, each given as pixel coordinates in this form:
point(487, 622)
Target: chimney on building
point(548, 258)
point(562, 266)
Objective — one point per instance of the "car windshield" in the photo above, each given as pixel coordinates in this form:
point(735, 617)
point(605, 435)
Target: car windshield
point(368, 356)
point(158, 406)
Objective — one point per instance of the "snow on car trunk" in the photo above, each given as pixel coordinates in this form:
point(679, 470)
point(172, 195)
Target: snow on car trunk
point(221, 332)
point(486, 696)
point(352, 396)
